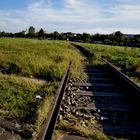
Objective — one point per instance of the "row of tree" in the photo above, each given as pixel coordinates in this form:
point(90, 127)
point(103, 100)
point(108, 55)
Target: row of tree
point(116, 38)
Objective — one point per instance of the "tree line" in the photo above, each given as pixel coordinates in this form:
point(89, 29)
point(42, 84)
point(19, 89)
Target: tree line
point(116, 38)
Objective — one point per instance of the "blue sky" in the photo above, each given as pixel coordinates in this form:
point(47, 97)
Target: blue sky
point(91, 16)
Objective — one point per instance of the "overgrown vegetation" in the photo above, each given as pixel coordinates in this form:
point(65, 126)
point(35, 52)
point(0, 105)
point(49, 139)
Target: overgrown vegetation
point(18, 99)
point(45, 59)
point(79, 128)
point(81, 131)
point(127, 59)
point(25, 101)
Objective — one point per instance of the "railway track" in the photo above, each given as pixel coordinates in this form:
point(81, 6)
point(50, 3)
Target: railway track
point(107, 96)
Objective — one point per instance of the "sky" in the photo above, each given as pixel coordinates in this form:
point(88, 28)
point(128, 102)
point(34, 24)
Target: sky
point(90, 16)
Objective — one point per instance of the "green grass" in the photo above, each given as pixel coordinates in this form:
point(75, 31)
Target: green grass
point(18, 101)
point(26, 57)
point(20, 58)
point(77, 129)
point(74, 125)
point(125, 58)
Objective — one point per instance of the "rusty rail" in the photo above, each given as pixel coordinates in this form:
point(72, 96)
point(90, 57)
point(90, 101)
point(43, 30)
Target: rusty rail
point(132, 87)
point(51, 117)
point(123, 77)
point(112, 68)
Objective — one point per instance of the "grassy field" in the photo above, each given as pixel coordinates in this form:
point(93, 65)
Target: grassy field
point(127, 59)
point(21, 61)
point(34, 58)
point(30, 68)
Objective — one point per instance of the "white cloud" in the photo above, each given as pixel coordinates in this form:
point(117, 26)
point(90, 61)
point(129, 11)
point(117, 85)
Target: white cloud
point(2, 13)
point(75, 15)
point(71, 3)
point(127, 11)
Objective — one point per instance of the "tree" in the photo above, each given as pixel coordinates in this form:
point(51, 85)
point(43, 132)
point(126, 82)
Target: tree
point(137, 38)
point(96, 37)
point(41, 34)
point(20, 34)
point(78, 37)
point(119, 38)
point(56, 35)
point(69, 35)
point(2, 34)
point(31, 32)
point(86, 37)
point(111, 39)
point(62, 36)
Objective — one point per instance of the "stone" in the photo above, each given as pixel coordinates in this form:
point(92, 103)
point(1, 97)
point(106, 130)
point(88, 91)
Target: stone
point(69, 88)
point(83, 124)
point(60, 117)
point(38, 97)
point(104, 118)
point(61, 109)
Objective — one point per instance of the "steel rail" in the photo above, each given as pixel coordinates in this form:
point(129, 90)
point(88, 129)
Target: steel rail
point(112, 68)
point(123, 76)
point(125, 81)
point(48, 125)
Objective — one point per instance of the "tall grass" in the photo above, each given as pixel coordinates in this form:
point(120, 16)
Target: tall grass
point(18, 101)
point(26, 57)
point(125, 58)
point(32, 59)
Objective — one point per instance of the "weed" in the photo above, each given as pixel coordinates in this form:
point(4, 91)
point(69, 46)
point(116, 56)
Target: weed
point(33, 59)
point(125, 58)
